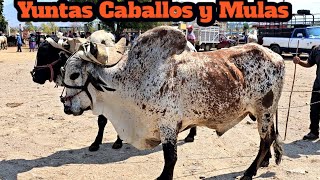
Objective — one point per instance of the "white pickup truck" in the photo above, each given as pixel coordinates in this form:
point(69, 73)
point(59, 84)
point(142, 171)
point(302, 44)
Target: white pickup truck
point(308, 38)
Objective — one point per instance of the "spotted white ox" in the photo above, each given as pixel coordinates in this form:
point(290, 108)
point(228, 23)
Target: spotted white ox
point(159, 89)
point(52, 55)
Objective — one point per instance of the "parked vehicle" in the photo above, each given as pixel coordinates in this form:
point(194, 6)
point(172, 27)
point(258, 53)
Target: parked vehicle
point(224, 42)
point(206, 37)
point(286, 40)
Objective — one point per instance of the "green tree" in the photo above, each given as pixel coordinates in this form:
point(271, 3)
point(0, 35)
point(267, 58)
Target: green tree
point(90, 27)
point(29, 26)
point(14, 30)
point(245, 26)
point(49, 27)
point(3, 22)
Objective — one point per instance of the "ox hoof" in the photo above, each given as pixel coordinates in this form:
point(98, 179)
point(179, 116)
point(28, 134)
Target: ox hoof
point(188, 139)
point(265, 164)
point(94, 147)
point(117, 145)
point(246, 178)
point(164, 178)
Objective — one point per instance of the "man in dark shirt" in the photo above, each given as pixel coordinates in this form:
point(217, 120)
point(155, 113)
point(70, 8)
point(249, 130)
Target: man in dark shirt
point(314, 58)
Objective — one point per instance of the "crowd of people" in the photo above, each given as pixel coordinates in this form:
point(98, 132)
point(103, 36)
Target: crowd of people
point(34, 39)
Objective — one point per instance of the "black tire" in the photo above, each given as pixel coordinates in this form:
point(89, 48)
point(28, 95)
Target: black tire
point(276, 48)
point(197, 48)
point(207, 47)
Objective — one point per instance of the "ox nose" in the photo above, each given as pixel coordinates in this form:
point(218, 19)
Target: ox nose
point(67, 110)
point(37, 80)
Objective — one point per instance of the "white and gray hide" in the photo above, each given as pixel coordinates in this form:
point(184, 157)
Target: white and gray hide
point(159, 89)
point(3, 42)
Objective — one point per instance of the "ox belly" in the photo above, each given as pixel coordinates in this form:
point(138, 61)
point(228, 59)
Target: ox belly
point(131, 124)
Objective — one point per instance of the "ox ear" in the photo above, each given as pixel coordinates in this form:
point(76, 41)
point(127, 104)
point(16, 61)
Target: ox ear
point(100, 84)
point(97, 82)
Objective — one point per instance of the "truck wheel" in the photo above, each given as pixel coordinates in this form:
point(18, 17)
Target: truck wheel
point(197, 48)
point(207, 47)
point(275, 48)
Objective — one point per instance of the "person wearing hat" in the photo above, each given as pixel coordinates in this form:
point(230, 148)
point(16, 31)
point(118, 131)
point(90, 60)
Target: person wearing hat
point(19, 42)
point(190, 35)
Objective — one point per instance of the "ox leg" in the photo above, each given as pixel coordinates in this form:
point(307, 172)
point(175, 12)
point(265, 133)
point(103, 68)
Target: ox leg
point(169, 147)
point(192, 133)
point(117, 144)
point(268, 136)
point(265, 162)
point(102, 121)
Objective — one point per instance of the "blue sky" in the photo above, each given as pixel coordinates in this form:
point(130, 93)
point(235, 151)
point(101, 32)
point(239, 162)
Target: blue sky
point(313, 5)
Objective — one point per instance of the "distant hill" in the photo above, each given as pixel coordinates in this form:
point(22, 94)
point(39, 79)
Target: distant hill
point(11, 16)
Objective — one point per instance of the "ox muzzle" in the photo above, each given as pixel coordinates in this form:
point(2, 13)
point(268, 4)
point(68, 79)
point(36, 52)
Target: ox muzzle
point(97, 84)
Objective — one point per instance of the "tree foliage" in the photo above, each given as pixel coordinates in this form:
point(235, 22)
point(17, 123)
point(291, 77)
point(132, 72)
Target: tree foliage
point(117, 27)
point(29, 26)
point(49, 27)
point(245, 26)
point(3, 22)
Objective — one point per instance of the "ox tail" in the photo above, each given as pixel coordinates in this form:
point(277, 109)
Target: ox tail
point(277, 145)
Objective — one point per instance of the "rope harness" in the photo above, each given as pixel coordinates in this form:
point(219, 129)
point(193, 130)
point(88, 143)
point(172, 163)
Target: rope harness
point(58, 45)
point(84, 53)
point(50, 66)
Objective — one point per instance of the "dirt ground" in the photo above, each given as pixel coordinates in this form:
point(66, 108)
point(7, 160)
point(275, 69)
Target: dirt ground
point(39, 141)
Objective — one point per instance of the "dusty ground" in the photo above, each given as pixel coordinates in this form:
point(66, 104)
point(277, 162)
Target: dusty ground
point(39, 141)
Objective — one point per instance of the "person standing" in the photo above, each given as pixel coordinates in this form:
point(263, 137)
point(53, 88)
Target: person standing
point(314, 59)
point(19, 42)
point(190, 35)
point(38, 39)
point(32, 42)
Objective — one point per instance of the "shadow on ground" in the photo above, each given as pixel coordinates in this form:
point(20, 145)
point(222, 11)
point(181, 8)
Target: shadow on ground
point(11, 168)
point(301, 147)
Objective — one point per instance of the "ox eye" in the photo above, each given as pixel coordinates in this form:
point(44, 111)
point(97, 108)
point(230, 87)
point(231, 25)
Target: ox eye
point(74, 76)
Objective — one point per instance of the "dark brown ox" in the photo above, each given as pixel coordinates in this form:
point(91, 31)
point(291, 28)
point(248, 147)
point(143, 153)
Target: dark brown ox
point(159, 89)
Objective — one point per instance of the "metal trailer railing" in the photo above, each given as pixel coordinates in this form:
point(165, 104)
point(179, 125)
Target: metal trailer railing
point(207, 34)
